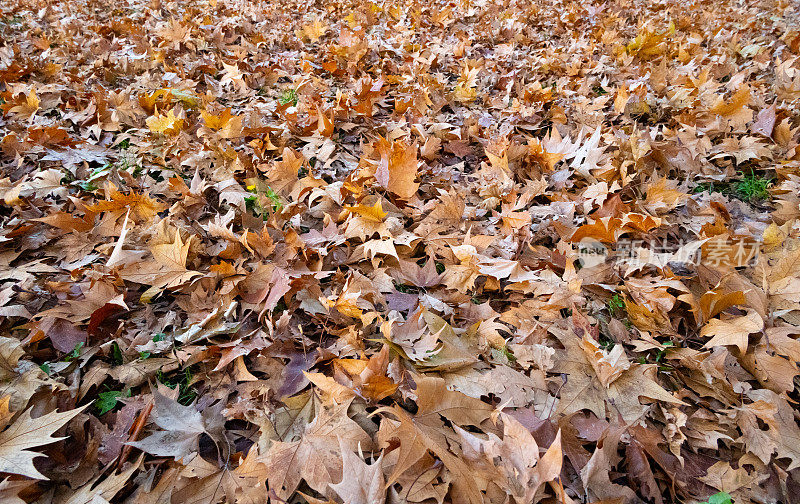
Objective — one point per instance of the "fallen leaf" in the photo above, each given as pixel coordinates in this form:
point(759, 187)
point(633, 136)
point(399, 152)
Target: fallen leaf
point(25, 433)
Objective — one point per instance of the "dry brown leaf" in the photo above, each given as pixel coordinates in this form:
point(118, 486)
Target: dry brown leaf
point(733, 330)
point(25, 433)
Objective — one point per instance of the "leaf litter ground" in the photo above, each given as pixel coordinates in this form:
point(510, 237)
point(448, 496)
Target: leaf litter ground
point(439, 252)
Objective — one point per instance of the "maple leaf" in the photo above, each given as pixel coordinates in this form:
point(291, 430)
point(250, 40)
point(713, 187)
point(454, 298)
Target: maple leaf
point(412, 336)
point(143, 208)
point(373, 248)
point(27, 432)
point(168, 268)
point(233, 76)
point(727, 479)
point(732, 331)
point(316, 456)
point(380, 282)
point(367, 376)
point(647, 44)
point(282, 176)
point(226, 124)
point(608, 365)
point(520, 465)
point(103, 491)
point(415, 438)
point(312, 32)
point(346, 303)
point(397, 169)
point(425, 276)
point(365, 221)
point(584, 390)
point(361, 483)
point(423, 432)
point(203, 482)
point(663, 196)
point(11, 351)
point(181, 428)
point(740, 99)
point(595, 473)
point(436, 399)
point(24, 108)
point(465, 90)
point(454, 352)
point(168, 124)
point(605, 229)
point(782, 435)
point(372, 213)
point(547, 160)
point(585, 159)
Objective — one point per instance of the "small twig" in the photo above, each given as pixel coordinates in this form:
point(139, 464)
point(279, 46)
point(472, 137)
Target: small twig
point(136, 428)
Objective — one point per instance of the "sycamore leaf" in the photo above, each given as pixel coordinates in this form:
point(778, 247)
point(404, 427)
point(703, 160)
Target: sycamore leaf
point(168, 124)
point(436, 399)
point(727, 479)
point(10, 490)
point(375, 244)
point(92, 492)
point(782, 436)
point(663, 195)
point(316, 457)
point(739, 100)
point(732, 331)
point(26, 107)
point(372, 213)
point(517, 458)
point(312, 32)
point(397, 169)
point(608, 365)
point(584, 390)
point(181, 426)
point(168, 268)
point(226, 124)
point(142, 207)
point(27, 432)
point(11, 351)
point(361, 483)
point(282, 176)
point(416, 435)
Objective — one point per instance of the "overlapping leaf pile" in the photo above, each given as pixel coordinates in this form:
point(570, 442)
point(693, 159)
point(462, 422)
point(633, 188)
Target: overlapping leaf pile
point(420, 252)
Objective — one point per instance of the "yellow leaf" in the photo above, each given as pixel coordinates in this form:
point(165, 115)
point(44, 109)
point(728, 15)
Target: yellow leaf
point(740, 99)
point(24, 108)
point(465, 94)
point(648, 44)
point(226, 124)
point(346, 304)
point(167, 124)
point(621, 99)
point(663, 195)
point(372, 213)
point(773, 237)
point(312, 32)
